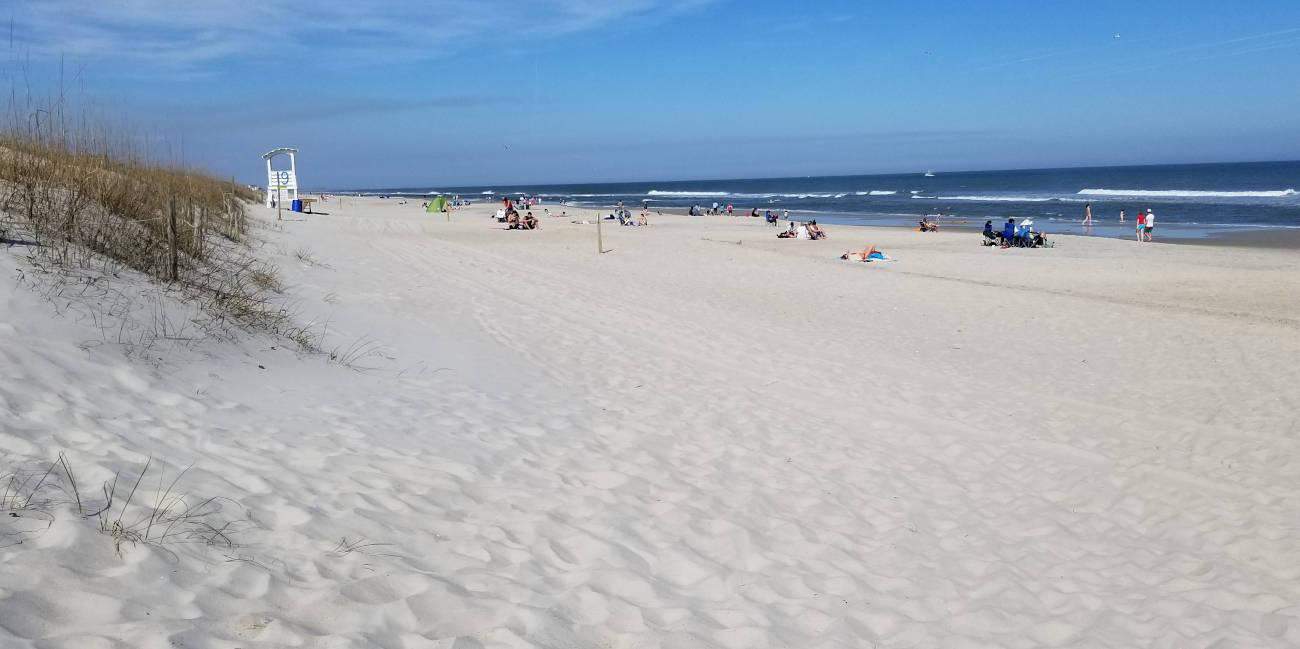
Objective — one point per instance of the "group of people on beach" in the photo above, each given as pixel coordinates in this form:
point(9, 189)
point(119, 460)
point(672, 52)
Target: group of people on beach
point(810, 231)
point(513, 220)
point(1143, 227)
point(714, 209)
point(624, 217)
point(1146, 224)
point(1014, 235)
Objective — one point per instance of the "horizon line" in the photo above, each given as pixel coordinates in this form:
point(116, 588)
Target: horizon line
point(845, 175)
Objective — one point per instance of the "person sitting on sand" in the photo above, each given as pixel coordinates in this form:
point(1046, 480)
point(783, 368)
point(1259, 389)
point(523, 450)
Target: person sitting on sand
point(754, 212)
point(789, 233)
point(869, 253)
point(529, 221)
point(1008, 233)
point(1024, 232)
point(644, 219)
point(512, 220)
point(927, 225)
point(815, 232)
point(990, 237)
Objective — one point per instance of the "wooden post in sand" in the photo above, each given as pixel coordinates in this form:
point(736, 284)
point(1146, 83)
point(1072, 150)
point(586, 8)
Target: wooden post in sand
point(200, 224)
point(228, 202)
point(173, 262)
point(194, 227)
point(600, 241)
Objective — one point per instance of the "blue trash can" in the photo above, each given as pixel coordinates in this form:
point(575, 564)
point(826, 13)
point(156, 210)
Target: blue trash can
point(296, 205)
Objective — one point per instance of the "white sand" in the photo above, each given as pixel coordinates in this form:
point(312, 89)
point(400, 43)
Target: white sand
point(685, 442)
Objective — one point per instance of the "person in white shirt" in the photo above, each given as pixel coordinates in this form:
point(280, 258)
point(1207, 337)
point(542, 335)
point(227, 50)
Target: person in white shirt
point(1150, 225)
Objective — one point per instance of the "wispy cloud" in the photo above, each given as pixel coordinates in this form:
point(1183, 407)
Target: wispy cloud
point(318, 109)
point(186, 36)
point(1113, 54)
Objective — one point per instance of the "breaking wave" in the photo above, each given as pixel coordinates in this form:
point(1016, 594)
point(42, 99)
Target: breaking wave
point(657, 192)
point(1181, 193)
point(989, 199)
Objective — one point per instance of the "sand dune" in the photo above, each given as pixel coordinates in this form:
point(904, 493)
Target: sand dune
point(706, 437)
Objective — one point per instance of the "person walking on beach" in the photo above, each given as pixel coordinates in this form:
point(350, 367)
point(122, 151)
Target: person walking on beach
point(1087, 213)
point(1140, 224)
point(1150, 224)
point(729, 210)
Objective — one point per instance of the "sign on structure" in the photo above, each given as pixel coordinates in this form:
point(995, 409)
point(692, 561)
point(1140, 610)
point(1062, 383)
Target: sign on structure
point(281, 184)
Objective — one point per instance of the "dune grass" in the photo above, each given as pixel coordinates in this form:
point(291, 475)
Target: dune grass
point(80, 197)
point(30, 499)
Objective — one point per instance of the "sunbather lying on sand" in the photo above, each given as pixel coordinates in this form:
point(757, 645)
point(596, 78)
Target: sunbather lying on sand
point(867, 254)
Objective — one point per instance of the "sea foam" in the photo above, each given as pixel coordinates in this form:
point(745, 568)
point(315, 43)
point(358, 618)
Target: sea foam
point(657, 192)
point(989, 199)
point(1181, 193)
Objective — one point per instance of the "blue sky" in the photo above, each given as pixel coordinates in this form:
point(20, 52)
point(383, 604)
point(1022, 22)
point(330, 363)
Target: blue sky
point(445, 92)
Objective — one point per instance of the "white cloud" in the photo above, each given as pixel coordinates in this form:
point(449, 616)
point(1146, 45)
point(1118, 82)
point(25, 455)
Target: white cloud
point(189, 34)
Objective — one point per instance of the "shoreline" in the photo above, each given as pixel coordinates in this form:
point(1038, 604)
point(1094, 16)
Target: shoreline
point(1272, 238)
point(1278, 238)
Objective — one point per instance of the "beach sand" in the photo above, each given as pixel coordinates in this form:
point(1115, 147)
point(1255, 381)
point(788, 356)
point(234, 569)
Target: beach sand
point(704, 437)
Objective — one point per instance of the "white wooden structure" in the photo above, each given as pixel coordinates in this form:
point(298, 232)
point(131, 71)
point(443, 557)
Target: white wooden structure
point(281, 185)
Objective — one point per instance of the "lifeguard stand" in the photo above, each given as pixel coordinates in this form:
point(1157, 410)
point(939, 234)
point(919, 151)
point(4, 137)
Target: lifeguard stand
point(281, 185)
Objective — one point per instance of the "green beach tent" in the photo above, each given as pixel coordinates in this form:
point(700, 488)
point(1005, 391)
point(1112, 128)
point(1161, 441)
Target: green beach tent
point(436, 204)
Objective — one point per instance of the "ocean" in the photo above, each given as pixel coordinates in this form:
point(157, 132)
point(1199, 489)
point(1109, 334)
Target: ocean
point(1189, 200)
